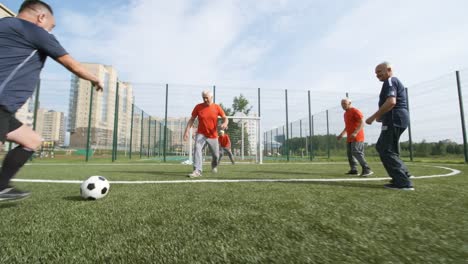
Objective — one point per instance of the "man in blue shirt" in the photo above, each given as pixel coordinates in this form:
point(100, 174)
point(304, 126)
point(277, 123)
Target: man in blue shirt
point(393, 113)
point(25, 43)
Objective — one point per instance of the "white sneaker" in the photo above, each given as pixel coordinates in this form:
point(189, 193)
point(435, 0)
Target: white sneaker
point(214, 170)
point(195, 174)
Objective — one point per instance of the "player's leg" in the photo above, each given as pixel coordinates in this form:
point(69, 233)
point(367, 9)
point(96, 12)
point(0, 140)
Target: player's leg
point(200, 140)
point(221, 154)
point(408, 174)
point(357, 149)
point(28, 142)
point(351, 160)
point(388, 150)
point(228, 150)
point(214, 148)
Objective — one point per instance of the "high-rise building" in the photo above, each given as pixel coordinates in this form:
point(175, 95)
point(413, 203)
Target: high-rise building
point(26, 113)
point(252, 130)
point(125, 105)
point(103, 108)
point(51, 126)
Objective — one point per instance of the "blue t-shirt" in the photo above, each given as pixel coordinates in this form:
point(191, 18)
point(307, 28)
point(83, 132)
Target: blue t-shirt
point(24, 48)
point(398, 116)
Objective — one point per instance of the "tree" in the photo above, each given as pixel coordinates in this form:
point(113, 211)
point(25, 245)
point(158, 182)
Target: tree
point(240, 104)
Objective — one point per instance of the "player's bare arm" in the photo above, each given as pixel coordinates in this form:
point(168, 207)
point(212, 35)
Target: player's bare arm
point(340, 136)
point(387, 106)
point(75, 67)
point(188, 127)
point(225, 123)
point(359, 128)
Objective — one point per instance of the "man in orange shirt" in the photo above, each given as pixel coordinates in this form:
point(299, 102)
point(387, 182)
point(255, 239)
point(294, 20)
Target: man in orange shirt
point(207, 133)
point(354, 129)
point(224, 145)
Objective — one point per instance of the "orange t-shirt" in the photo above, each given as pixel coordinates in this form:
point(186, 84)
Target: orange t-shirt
point(352, 118)
point(224, 141)
point(208, 118)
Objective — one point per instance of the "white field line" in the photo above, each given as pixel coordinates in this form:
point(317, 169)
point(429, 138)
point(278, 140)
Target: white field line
point(177, 164)
point(451, 173)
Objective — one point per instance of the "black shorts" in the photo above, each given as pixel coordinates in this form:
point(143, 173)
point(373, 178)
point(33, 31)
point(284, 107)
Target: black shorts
point(8, 123)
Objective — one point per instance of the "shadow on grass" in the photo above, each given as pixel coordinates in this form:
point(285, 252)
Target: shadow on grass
point(286, 172)
point(74, 198)
point(344, 184)
point(8, 204)
point(156, 173)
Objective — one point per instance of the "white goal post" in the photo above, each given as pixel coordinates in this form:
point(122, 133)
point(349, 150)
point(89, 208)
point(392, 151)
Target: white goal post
point(250, 135)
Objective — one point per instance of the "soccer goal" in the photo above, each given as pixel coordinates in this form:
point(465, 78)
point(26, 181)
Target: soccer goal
point(245, 136)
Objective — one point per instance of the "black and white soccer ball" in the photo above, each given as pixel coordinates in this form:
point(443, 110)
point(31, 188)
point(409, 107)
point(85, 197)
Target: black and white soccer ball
point(95, 187)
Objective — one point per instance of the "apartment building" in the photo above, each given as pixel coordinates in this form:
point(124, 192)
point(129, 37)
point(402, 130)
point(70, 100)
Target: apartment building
point(51, 126)
point(102, 116)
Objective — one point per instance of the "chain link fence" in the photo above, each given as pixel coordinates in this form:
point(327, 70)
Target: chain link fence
point(78, 123)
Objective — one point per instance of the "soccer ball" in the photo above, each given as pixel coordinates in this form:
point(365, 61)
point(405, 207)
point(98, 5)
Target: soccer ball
point(95, 187)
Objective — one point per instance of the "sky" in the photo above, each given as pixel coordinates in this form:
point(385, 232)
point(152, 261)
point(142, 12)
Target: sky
point(326, 46)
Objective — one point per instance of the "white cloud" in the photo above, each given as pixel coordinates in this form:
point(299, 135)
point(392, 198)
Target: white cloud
point(162, 42)
point(423, 39)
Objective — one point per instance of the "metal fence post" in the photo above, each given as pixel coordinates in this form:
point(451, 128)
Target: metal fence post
point(155, 137)
point(462, 115)
point(328, 135)
point(36, 107)
point(131, 130)
point(409, 126)
point(310, 127)
point(165, 123)
point(214, 93)
point(116, 124)
point(259, 147)
point(287, 126)
point(141, 133)
point(277, 145)
point(148, 151)
point(160, 139)
point(88, 137)
point(36, 104)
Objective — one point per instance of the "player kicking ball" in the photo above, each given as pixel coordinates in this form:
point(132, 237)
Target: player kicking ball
point(25, 43)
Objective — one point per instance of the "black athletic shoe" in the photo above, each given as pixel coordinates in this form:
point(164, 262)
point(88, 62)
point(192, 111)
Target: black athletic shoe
point(394, 187)
point(11, 193)
point(352, 172)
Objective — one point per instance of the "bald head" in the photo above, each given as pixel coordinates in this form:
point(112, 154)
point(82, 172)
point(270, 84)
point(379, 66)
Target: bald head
point(207, 97)
point(346, 103)
point(383, 71)
point(35, 6)
point(37, 12)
